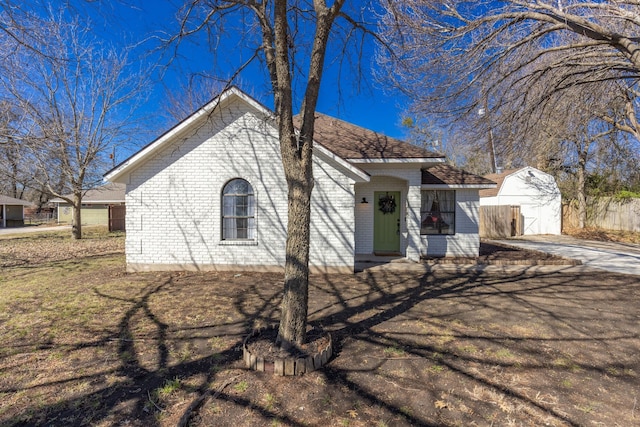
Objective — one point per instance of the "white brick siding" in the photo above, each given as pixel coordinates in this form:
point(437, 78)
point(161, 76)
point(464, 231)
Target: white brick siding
point(174, 198)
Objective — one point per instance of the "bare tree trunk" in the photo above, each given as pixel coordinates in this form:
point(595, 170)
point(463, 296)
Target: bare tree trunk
point(581, 193)
point(293, 319)
point(76, 223)
point(12, 157)
point(280, 46)
point(297, 157)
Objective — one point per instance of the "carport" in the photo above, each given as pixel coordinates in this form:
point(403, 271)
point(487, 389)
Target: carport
point(12, 211)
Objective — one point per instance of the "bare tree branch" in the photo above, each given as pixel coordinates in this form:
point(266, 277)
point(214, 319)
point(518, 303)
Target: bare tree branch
point(544, 72)
point(76, 102)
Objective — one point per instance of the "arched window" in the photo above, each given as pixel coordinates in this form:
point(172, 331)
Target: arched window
point(238, 211)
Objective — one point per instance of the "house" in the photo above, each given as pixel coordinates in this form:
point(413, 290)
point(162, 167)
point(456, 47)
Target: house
point(99, 206)
point(12, 211)
point(534, 191)
point(211, 194)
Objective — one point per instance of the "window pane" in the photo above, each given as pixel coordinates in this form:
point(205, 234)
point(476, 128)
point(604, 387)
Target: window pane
point(251, 201)
point(241, 228)
point(229, 230)
point(447, 201)
point(237, 186)
point(238, 210)
point(251, 231)
point(228, 205)
point(438, 212)
point(241, 205)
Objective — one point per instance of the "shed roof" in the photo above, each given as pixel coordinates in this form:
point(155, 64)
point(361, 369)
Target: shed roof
point(6, 200)
point(499, 180)
point(445, 174)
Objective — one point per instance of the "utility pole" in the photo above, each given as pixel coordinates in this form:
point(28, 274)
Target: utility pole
point(484, 112)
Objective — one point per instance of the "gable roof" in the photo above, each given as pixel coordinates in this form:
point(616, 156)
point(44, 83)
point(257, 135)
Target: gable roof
point(109, 193)
point(452, 177)
point(232, 92)
point(6, 200)
point(166, 138)
point(499, 180)
point(359, 145)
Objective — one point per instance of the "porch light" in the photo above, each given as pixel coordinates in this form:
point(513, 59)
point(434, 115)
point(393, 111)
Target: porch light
point(364, 200)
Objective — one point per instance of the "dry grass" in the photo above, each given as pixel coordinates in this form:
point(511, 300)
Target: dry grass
point(604, 235)
point(84, 343)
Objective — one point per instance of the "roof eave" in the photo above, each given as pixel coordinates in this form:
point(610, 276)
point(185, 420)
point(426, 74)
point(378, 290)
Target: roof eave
point(351, 171)
point(11, 203)
point(457, 186)
point(403, 160)
point(84, 202)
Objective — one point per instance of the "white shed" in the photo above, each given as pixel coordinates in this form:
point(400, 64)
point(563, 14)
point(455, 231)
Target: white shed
point(536, 193)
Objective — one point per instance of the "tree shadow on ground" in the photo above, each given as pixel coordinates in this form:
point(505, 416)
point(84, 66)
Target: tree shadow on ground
point(440, 348)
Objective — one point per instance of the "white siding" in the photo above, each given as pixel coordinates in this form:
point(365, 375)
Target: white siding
point(466, 241)
point(365, 211)
point(408, 180)
point(173, 201)
point(404, 178)
point(539, 199)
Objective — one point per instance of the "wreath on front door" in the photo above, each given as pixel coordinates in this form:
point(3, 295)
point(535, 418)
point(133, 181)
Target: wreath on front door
point(387, 204)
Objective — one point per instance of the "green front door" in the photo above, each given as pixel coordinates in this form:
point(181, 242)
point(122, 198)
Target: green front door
point(386, 222)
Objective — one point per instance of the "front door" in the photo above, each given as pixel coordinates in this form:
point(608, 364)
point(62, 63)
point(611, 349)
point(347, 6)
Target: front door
point(386, 222)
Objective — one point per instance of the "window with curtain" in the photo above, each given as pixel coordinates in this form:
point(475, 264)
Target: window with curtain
point(438, 212)
point(238, 211)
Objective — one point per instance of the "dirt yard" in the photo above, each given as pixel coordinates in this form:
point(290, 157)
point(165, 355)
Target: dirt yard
point(84, 343)
point(603, 235)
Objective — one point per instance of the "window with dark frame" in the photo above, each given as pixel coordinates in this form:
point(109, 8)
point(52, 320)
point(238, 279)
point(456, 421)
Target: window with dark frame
point(238, 211)
point(438, 212)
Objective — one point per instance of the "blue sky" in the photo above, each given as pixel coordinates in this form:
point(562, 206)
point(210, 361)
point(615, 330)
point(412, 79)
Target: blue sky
point(360, 101)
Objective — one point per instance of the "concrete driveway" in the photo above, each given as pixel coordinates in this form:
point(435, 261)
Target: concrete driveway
point(615, 257)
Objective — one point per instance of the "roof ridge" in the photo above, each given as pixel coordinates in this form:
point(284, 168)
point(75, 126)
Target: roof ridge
point(357, 143)
point(366, 129)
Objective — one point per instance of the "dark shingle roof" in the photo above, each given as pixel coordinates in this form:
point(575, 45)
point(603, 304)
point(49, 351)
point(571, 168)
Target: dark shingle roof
point(450, 175)
point(356, 143)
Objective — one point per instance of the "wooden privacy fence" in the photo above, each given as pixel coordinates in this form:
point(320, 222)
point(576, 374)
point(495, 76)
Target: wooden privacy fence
point(606, 213)
point(500, 221)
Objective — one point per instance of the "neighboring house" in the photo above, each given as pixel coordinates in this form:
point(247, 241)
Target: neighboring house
point(211, 194)
point(536, 193)
point(12, 211)
point(96, 205)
